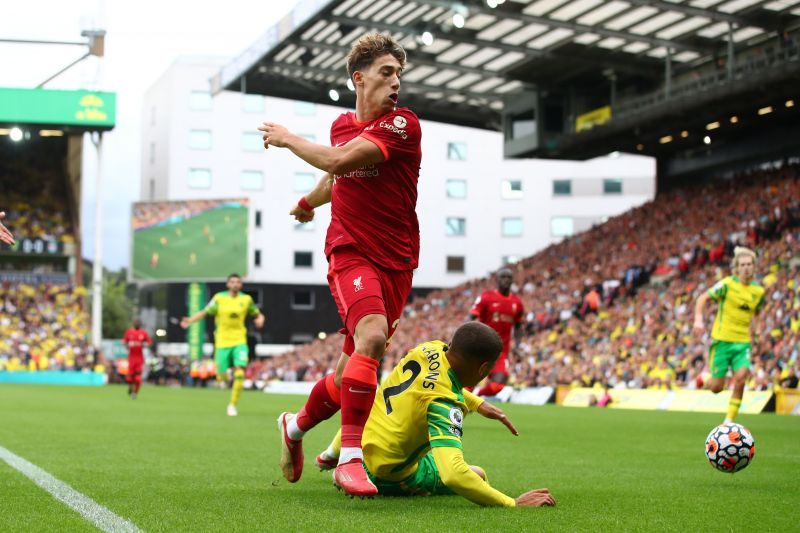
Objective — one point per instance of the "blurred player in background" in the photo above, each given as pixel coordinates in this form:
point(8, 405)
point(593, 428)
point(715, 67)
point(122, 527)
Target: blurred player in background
point(5, 235)
point(230, 309)
point(503, 312)
point(412, 441)
point(739, 299)
point(372, 244)
point(135, 339)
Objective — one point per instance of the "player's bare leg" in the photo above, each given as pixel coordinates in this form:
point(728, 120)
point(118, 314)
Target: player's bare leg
point(359, 383)
point(739, 381)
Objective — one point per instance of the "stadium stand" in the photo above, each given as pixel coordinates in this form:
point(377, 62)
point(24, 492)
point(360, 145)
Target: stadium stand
point(613, 305)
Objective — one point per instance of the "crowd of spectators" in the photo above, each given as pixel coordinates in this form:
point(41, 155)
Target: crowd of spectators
point(44, 327)
point(614, 305)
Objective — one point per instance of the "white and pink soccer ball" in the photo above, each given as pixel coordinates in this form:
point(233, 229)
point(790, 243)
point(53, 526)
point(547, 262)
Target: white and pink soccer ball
point(730, 447)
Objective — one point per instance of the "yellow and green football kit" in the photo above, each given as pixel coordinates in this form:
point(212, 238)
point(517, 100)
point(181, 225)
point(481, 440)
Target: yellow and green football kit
point(230, 335)
point(738, 304)
point(412, 440)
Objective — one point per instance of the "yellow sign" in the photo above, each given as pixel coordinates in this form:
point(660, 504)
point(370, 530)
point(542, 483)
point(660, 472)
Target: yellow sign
point(677, 400)
point(787, 402)
point(595, 117)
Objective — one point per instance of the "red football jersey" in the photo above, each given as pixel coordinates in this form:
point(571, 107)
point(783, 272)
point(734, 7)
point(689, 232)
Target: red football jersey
point(135, 339)
point(373, 208)
point(500, 313)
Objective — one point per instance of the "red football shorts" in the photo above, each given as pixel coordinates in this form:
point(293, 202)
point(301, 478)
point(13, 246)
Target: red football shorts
point(360, 288)
point(134, 367)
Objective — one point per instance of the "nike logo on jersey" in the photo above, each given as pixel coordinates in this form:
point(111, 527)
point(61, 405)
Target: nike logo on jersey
point(359, 391)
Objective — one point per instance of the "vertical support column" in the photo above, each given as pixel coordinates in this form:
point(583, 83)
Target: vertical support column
point(97, 271)
point(668, 73)
point(731, 58)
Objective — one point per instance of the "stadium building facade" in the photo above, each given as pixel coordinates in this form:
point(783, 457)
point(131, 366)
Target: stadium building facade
point(477, 210)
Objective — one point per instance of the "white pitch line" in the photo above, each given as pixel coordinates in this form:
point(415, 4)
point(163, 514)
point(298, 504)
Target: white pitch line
point(92, 511)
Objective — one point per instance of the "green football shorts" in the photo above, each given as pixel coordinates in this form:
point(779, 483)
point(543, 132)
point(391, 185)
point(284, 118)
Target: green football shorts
point(426, 481)
point(724, 354)
point(230, 356)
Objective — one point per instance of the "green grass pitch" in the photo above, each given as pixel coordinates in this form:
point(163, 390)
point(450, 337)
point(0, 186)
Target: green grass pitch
point(190, 252)
point(172, 461)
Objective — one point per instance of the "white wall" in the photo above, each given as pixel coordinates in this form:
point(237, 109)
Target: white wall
point(484, 170)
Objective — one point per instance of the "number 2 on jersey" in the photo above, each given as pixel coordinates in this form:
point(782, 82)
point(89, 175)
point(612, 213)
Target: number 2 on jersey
point(412, 366)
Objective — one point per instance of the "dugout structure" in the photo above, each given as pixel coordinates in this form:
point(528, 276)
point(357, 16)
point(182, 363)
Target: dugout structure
point(701, 85)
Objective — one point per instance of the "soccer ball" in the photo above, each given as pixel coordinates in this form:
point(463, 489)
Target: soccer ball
point(730, 447)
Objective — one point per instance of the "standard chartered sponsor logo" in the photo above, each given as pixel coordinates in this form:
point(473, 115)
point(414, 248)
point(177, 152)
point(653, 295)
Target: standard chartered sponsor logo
point(369, 171)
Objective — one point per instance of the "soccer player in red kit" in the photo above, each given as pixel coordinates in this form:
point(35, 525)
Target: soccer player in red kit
point(503, 312)
point(135, 338)
point(372, 245)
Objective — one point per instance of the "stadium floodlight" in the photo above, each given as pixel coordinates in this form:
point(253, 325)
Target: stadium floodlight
point(333, 94)
point(684, 134)
point(712, 125)
point(161, 333)
point(665, 139)
point(458, 20)
point(640, 147)
point(350, 85)
point(492, 3)
point(426, 38)
point(707, 139)
point(765, 110)
point(15, 134)
point(789, 103)
point(734, 119)
point(322, 335)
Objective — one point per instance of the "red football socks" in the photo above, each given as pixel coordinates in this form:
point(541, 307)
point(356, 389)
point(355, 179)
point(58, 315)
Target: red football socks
point(359, 383)
point(323, 402)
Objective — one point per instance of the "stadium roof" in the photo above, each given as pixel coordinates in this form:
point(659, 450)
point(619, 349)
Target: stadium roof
point(468, 58)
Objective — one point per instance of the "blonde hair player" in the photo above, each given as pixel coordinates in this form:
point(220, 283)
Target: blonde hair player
point(739, 298)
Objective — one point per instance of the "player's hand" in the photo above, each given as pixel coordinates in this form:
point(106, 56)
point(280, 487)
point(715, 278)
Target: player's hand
point(259, 321)
point(274, 134)
point(301, 215)
point(5, 235)
point(699, 326)
point(495, 413)
point(185, 322)
point(536, 498)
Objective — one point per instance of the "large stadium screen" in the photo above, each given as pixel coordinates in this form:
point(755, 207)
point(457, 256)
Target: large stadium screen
point(188, 240)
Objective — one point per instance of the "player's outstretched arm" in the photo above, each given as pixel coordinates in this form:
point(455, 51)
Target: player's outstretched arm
point(493, 412)
point(318, 196)
point(188, 320)
point(699, 309)
point(462, 480)
point(334, 160)
point(5, 235)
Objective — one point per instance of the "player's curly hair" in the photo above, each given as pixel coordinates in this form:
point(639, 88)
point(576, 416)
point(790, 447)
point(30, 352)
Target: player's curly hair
point(371, 46)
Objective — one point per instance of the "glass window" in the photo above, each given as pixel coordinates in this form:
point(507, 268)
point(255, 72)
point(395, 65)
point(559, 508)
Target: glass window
point(457, 151)
point(302, 300)
point(562, 187)
point(612, 186)
point(511, 189)
point(305, 109)
point(251, 180)
point(252, 103)
point(456, 226)
point(562, 226)
point(455, 264)
point(152, 153)
point(303, 259)
point(303, 181)
point(200, 139)
point(512, 227)
point(456, 188)
point(258, 218)
point(257, 258)
point(305, 226)
point(200, 101)
point(199, 178)
point(523, 124)
point(252, 142)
